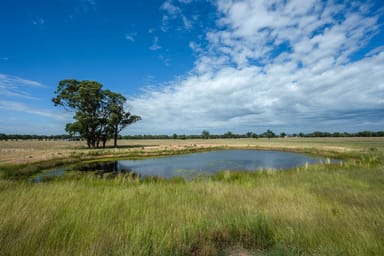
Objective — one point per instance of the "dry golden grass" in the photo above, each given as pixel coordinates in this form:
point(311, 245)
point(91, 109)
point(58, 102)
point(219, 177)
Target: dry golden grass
point(29, 151)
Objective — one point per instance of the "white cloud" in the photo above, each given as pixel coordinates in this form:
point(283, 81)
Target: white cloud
point(185, 1)
point(14, 81)
point(11, 91)
point(171, 9)
point(375, 51)
point(86, 6)
point(187, 23)
point(271, 64)
point(21, 107)
point(39, 21)
point(165, 60)
point(174, 12)
point(164, 23)
point(155, 45)
point(130, 36)
point(91, 2)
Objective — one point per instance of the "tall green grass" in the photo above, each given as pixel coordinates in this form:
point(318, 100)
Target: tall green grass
point(96, 218)
point(312, 210)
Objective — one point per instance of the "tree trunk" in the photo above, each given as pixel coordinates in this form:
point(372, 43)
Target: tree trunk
point(115, 134)
point(115, 140)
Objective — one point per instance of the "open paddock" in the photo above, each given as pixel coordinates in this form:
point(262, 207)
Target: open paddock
point(29, 151)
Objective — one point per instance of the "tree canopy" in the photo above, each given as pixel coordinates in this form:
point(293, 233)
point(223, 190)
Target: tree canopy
point(99, 114)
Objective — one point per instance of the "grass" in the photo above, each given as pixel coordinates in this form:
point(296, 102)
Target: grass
point(94, 218)
point(322, 209)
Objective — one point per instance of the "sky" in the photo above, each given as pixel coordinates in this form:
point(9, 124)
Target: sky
point(191, 65)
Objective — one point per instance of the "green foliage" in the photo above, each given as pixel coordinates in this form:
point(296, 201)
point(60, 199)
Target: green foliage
point(364, 134)
point(99, 114)
point(268, 134)
point(205, 134)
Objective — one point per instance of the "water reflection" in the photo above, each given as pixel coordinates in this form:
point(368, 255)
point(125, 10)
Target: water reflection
point(192, 165)
point(109, 169)
point(214, 161)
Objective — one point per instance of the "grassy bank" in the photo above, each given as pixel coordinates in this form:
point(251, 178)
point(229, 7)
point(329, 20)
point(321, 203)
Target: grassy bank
point(312, 210)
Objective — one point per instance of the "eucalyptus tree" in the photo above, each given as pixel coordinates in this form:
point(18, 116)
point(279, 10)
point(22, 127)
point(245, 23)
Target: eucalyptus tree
point(99, 114)
point(205, 134)
point(117, 117)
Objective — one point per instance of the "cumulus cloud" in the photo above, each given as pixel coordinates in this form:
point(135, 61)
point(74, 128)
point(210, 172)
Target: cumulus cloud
point(277, 64)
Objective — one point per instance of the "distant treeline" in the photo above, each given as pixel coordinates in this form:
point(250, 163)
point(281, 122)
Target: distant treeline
point(267, 134)
point(36, 137)
point(203, 135)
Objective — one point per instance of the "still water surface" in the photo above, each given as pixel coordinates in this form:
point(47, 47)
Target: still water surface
point(212, 162)
point(190, 165)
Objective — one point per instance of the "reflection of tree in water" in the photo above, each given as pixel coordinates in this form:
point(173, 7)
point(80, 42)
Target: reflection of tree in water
point(108, 169)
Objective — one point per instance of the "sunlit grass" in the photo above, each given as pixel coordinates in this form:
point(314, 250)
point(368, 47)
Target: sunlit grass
point(86, 217)
point(315, 210)
point(324, 209)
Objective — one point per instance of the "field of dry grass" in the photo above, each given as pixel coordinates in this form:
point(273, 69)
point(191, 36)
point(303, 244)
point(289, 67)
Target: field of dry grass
point(18, 152)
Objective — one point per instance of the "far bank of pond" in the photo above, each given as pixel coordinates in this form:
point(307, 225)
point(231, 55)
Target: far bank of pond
point(191, 165)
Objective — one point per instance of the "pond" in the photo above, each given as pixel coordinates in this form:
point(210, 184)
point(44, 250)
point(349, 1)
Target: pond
point(190, 165)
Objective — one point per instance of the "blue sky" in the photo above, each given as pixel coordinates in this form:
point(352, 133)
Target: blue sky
point(193, 65)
